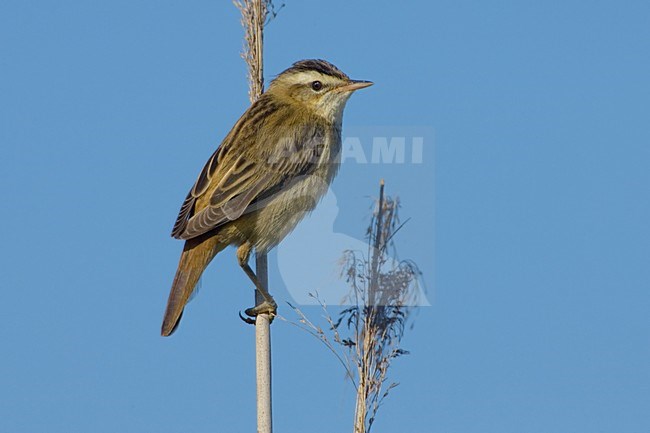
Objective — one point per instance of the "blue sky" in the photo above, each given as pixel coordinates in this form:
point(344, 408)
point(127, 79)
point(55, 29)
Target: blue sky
point(533, 233)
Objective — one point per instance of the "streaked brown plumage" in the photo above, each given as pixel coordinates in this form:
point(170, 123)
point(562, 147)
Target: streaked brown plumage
point(272, 168)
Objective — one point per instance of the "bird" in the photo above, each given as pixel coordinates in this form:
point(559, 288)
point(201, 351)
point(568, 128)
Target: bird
point(271, 169)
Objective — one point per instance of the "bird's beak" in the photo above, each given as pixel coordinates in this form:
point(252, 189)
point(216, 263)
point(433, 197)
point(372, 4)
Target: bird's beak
point(353, 85)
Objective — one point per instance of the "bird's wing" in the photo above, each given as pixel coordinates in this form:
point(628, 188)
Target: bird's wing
point(199, 188)
point(246, 178)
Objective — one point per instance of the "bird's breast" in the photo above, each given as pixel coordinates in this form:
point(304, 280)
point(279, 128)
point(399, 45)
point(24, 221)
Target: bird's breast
point(285, 209)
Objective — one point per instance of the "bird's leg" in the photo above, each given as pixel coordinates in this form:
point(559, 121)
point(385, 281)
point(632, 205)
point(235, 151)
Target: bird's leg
point(268, 305)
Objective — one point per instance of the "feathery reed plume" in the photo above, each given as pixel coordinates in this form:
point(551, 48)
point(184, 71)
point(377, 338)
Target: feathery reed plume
point(367, 335)
point(254, 15)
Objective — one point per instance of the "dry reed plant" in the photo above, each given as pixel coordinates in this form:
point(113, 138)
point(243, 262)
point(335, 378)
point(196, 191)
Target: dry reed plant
point(255, 15)
point(366, 336)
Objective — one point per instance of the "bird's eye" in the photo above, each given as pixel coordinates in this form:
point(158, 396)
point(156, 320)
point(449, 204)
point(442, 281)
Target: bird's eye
point(316, 85)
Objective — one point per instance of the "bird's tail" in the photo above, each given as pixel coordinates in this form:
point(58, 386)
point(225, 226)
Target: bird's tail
point(197, 254)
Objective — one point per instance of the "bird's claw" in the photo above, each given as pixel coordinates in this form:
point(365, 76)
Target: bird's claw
point(265, 307)
point(246, 319)
point(268, 307)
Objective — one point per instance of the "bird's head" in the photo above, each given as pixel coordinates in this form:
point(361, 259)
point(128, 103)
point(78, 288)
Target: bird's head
point(317, 86)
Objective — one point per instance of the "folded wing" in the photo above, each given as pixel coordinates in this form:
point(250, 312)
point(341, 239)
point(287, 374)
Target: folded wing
point(234, 182)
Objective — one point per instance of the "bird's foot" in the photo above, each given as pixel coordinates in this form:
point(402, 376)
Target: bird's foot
point(266, 307)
